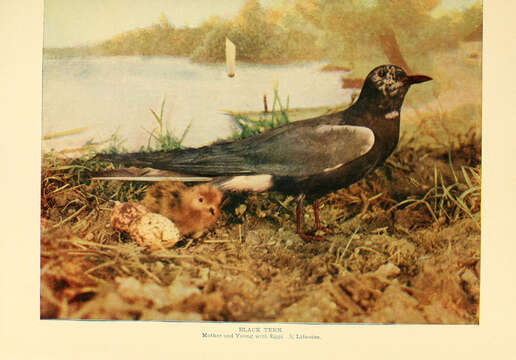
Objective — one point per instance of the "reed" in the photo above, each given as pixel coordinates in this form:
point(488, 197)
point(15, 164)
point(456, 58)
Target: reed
point(161, 138)
point(248, 126)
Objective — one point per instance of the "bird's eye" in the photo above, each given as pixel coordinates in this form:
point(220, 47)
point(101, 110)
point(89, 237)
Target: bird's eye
point(201, 200)
point(381, 73)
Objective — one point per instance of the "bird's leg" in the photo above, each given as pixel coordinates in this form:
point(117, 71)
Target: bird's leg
point(318, 226)
point(365, 204)
point(299, 213)
point(315, 205)
point(299, 222)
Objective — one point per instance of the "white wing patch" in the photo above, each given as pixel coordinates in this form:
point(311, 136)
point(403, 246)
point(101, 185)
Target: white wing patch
point(367, 135)
point(325, 128)
point(256, 183)
point(364, 135)
point(361, 132)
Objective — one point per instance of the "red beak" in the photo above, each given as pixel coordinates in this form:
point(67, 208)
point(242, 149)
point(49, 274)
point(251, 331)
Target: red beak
point(415, 79)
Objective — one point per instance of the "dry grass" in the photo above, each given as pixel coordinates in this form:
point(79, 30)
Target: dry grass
point(406, 249)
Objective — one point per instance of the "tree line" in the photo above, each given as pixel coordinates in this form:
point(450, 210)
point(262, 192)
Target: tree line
point(340, 31)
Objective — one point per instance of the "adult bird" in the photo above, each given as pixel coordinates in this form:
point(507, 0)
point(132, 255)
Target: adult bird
point(308, 158)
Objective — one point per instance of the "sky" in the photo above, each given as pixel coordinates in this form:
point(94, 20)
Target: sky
point(85, 22)
point(82, 22)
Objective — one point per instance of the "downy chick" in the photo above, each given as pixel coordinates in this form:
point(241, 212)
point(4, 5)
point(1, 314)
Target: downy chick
point(193, 209)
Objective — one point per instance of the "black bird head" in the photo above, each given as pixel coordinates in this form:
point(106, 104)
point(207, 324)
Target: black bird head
point(388, 84)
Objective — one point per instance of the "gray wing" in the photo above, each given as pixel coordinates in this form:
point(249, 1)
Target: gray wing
point(310, 150)
point(294, 149)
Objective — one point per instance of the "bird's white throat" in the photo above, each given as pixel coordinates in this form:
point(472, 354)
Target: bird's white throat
point(392, 115)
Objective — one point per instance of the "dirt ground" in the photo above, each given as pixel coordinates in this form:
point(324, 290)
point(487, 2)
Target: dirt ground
point(406, 248)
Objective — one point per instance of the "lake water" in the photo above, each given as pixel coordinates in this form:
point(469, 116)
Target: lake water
point(114, 94)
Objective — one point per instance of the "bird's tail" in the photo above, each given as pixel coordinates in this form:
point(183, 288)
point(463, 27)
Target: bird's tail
point(216, 160)
point(145, 166)
point(140, 159)
point(145, 175)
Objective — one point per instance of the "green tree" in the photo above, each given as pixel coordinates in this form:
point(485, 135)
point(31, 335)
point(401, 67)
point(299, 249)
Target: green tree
point(471, 21)
point(391, 29)
point(211, 48)
point(163, 21)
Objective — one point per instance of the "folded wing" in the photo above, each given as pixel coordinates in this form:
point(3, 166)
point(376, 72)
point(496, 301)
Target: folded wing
point(285, 151)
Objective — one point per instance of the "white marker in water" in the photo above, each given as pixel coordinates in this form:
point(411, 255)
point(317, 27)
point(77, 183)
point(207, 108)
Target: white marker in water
point(230, 57)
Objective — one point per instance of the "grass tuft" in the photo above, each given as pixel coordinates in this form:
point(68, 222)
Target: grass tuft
point(248, 126)
point(164, 139)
